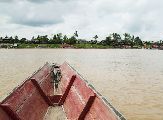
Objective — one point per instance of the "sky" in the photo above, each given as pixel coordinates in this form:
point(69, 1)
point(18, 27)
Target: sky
point(27, 18)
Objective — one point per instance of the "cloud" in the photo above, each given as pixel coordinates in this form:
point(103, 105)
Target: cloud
point(101, 17)
point(34, 1)
point(36, 22)
point(6, 1)
point(38, 1)
point(30, 14)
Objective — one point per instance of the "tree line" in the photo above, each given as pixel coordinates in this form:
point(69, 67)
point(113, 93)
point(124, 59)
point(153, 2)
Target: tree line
point(114, 40)
point(56, 39)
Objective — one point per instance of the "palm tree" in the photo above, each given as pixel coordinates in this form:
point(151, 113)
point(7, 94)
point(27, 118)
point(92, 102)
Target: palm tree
point(76, 34)
point(95, 37)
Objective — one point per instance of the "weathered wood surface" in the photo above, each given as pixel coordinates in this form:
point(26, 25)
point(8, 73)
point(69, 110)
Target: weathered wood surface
point(78, 102)
point(28, 101)
point(33, 97)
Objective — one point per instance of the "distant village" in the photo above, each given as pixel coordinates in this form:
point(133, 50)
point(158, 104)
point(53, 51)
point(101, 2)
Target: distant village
point(59, 40)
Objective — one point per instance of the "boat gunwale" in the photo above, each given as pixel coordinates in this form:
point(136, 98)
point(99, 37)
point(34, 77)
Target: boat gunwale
point(114, 110)
point(22, 83)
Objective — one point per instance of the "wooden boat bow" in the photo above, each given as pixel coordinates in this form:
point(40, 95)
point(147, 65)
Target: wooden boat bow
point(79, 99)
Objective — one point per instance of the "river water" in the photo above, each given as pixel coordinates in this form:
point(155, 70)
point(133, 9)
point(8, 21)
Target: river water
point(132, 80)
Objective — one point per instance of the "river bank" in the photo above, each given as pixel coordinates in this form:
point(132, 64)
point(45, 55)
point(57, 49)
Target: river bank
point(74, 46)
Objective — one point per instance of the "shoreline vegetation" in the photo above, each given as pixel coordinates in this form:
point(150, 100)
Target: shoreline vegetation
point(59, 40)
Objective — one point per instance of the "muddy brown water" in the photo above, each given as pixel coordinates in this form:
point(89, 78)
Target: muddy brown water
point(132, 80)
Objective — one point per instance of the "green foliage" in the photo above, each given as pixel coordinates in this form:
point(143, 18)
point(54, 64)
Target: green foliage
point(72, 40)
point(116, 41)
point(113, 40)
point(90, 46)
point(138, 42)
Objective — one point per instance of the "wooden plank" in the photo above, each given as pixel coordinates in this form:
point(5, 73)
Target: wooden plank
point(26, 103)
point(34, 108)
point(29, 100)
point(47, 85)
point(55, 98)
point(4, 115)
point(100, 111)
point(73, 105)
point(63, 98)
point(78, 100)
point(42, 92)
point(19, 95)
point(44, 71)
point(84, 91)
point(12, 114)
point(87, 107)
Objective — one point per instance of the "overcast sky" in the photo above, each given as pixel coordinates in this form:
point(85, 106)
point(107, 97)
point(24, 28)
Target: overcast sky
point(27, 18)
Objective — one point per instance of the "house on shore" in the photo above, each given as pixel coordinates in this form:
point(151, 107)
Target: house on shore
point(66, 46)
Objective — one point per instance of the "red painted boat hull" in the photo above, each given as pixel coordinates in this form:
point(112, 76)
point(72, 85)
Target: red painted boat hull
point(80, 100)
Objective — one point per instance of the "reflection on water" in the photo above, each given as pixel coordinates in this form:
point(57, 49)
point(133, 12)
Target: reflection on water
point(131, 79)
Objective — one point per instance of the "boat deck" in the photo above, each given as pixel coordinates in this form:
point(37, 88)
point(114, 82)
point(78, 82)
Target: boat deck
point(55, 113)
